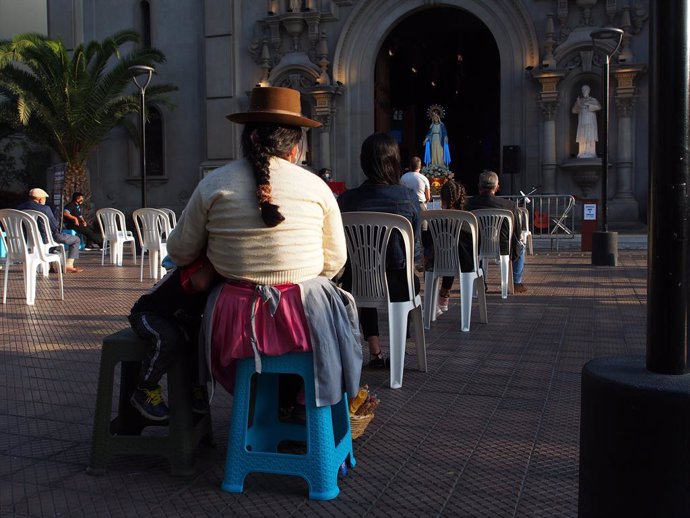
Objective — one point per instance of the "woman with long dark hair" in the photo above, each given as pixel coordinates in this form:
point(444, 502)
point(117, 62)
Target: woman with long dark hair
point(273, 232)
point(382, 192)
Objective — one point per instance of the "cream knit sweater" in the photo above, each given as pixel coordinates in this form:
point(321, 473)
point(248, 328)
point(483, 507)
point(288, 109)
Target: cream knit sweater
point(222, 219)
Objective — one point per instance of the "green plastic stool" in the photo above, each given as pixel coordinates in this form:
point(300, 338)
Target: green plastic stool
point(122, 435)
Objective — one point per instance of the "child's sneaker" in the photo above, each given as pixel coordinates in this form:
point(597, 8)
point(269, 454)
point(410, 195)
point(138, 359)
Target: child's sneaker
point(150, 403)
point(443, 303)
point(199, 400)
point(437, 312)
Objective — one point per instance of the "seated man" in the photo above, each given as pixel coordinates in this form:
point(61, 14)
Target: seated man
point(37, 202)
point(487, 199)
point(75, 221)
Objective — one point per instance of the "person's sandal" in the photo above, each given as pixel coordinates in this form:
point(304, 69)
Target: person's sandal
point(378, 361)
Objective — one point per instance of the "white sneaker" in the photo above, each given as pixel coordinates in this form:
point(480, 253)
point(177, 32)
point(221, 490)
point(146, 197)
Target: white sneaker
point(443, 303)
point(438, 313)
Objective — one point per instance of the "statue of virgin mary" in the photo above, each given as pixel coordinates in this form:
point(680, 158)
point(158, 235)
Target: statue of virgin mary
point(435, 142)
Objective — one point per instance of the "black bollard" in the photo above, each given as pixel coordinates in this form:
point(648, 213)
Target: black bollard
point(605, 249)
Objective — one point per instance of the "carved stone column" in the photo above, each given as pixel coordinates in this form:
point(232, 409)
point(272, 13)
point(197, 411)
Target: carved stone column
point(323, 112)
point(548, 102)
point(624, 207)
point(548, 156)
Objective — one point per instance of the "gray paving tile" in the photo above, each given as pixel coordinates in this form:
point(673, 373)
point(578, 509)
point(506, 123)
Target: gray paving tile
point(491, 429)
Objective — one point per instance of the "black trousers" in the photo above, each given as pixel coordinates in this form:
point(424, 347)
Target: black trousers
point(90, 235)
point(169, 338)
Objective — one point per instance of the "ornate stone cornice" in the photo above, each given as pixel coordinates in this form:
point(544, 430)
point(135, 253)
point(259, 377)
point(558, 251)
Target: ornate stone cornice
point(549, 84)
point(625, 76)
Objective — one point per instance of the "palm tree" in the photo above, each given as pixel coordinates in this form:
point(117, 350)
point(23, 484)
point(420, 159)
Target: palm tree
point(69, 101)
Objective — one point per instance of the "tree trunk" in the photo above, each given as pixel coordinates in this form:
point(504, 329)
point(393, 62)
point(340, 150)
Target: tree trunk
point(77, 180)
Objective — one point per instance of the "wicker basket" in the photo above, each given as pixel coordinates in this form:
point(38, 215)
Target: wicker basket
point(359, 423)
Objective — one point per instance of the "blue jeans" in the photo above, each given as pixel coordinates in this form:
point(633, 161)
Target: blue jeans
point(72, 242)
point(519, 267)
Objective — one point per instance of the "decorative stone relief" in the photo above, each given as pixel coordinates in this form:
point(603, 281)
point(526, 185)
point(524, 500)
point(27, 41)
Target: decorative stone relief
point(549, 109)
point(549, 43)
point(325, 119)
point(586, 6)
point(624, 106)
point(293, 27)
point(562, 15)
point(295, 81)
point(639, 17)
point(610, 11)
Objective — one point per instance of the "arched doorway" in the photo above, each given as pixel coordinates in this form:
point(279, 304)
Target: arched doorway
point(448, 57)
point(368, 28)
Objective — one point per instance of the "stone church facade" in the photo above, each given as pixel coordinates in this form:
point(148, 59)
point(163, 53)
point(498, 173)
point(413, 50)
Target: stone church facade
point(218, 50)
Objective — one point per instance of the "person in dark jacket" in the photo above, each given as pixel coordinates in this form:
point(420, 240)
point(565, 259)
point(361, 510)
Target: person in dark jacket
point(487, 199)
point(382, 192)
point(74, 220)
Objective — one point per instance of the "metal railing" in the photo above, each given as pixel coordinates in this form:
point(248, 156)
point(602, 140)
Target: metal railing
point(552, 216)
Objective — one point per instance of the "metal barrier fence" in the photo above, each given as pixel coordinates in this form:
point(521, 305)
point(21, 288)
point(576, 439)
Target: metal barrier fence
point(552, 216)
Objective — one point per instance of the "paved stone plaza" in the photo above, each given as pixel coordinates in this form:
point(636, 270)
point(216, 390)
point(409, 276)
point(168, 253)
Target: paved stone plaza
point(490, 430)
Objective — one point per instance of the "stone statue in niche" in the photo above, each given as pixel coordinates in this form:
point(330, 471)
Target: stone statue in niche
point(294, 6)
point(587, 134)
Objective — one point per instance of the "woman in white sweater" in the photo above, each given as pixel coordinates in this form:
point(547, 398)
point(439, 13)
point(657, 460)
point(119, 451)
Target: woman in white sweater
point(263, 219)
point(268, 227)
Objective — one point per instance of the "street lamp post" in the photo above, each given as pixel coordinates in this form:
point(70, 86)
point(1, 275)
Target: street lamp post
point(605, 243)
point(146, 72)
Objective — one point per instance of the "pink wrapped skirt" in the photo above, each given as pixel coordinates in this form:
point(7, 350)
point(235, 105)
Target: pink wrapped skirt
point(282, 332)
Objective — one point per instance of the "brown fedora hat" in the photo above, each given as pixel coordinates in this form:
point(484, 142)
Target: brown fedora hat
point(274, 104)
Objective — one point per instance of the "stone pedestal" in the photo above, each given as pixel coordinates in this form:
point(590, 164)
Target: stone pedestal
point(585, 172)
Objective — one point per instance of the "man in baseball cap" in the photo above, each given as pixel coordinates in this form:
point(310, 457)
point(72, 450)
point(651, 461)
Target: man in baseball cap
point(37, 202)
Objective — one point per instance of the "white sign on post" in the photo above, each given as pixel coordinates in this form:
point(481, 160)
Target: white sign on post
point(590, 212)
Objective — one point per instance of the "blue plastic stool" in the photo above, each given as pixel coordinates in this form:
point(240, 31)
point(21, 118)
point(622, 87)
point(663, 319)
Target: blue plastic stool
point(253, 446)
point(71, 232)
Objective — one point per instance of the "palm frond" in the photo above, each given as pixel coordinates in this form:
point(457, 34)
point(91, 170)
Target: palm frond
point(70, 101)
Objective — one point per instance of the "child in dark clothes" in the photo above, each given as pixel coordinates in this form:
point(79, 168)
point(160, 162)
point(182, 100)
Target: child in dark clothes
point(169, 316)
point(453, 196)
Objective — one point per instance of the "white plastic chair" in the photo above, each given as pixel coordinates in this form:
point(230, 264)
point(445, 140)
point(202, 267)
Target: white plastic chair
point(115, 235)
point(445, 226)
point(49, 242)
point(525, 233)
point(153, 227)
point(23, 244)
point(172, 217)
point(490, 223)
point(367, 235)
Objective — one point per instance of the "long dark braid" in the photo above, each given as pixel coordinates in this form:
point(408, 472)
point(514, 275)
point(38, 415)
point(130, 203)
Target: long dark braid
point(260, 142)
point(453, 195)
